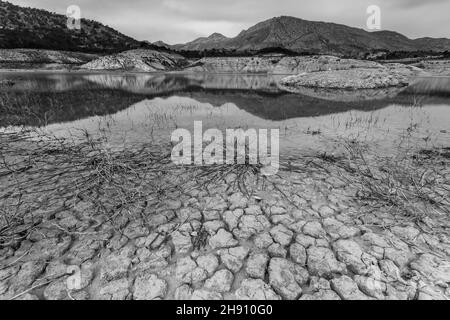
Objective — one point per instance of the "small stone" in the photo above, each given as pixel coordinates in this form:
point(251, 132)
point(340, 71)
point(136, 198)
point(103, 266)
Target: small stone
point(183, 292)
point(326, 295)
point(322, 262)
point(115, 266)
point(203, 294)
point(281, 234)
point(347, 289)
point(149, 287)
point(263, 240)
point(314, 229)
point(208, 262)
point(255, 289)
point(277, 250)
point(233, 258)
point(286, 277)
point(213, 226)
point(115, 290)
point(257, 264)
point(222, 239)
point(298, 254)
point(250, 225)
point(221, 281)
point(350, 253)
point(232, 218)
point(181, 242)
point(56, 291)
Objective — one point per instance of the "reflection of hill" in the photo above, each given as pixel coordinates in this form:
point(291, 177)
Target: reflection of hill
point(41, 108)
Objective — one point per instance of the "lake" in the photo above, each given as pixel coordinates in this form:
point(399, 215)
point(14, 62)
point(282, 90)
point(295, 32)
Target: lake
point(128, 109)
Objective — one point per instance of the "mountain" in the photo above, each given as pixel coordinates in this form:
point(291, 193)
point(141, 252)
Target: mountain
point(204, 43)
point(39, 29)
point(304, 36)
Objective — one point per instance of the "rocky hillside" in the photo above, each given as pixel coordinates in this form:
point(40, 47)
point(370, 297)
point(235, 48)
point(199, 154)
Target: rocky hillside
point(304, 36)
point(39, 29)
point(44, 56)
point(203, 43)
point(138, 60)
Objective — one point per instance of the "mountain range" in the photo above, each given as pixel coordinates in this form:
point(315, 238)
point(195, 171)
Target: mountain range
point(22, 27)
point(304, 36)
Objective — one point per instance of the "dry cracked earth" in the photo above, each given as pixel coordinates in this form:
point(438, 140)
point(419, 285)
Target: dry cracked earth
point(306, 239)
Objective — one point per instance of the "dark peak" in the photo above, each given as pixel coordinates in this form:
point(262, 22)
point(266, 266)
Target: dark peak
point(216, 35)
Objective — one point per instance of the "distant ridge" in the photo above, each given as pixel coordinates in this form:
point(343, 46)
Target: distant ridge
point(304, 36)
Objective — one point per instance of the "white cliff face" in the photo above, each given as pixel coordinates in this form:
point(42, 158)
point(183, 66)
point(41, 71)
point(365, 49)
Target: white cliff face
point(383, 76)
point(137, 60)
point(277, 64)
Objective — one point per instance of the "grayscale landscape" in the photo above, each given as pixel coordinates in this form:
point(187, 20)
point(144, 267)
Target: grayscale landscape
point(359, 208)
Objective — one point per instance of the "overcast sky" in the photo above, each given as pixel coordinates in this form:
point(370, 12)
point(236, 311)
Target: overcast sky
point(178, 21)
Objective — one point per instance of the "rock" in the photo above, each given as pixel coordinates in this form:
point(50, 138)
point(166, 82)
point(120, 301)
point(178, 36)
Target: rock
point(115, 290)
point(298, 254)
point(253, 210)
point(232, 218)
point(202, 294)
point(135, 229)
point(237, 200)
point(182, 242)
point(183, 292)
point(221, 281)
point(184, 267)
point(434, 269)
point(255, 289)
point(115, 266)
point(222, 239)
point(257, 264)
point(323, 263)
point(347, 289)
point(408, 233)
point(314, 229)
point(56, 291)
point(371, 287)
point(28, 273)
point(326, 211)
point(149, 287)
point(305, 241)
point(350, 253)
point(251, 224)
point(209, 262)
point(286, 277)
point(361, 78)
point(137, 60)
point(152, 259)
point(233, 258)
point(281, 234)
point(337, 229)
point(213, 226)
point(185, 271)
point(277, 250)
point(321, 295)
point(263, 240)
point(188, 214)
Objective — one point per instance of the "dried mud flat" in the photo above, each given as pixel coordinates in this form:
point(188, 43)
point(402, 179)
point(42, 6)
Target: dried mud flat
point(134, 226)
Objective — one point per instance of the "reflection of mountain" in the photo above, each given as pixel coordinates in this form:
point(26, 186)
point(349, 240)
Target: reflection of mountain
point(41, 99)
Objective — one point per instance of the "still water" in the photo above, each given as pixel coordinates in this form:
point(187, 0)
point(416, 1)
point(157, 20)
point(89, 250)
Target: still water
point(129, 109)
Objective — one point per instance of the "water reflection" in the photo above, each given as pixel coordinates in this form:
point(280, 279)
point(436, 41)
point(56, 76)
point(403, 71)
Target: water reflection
point(132, 108)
